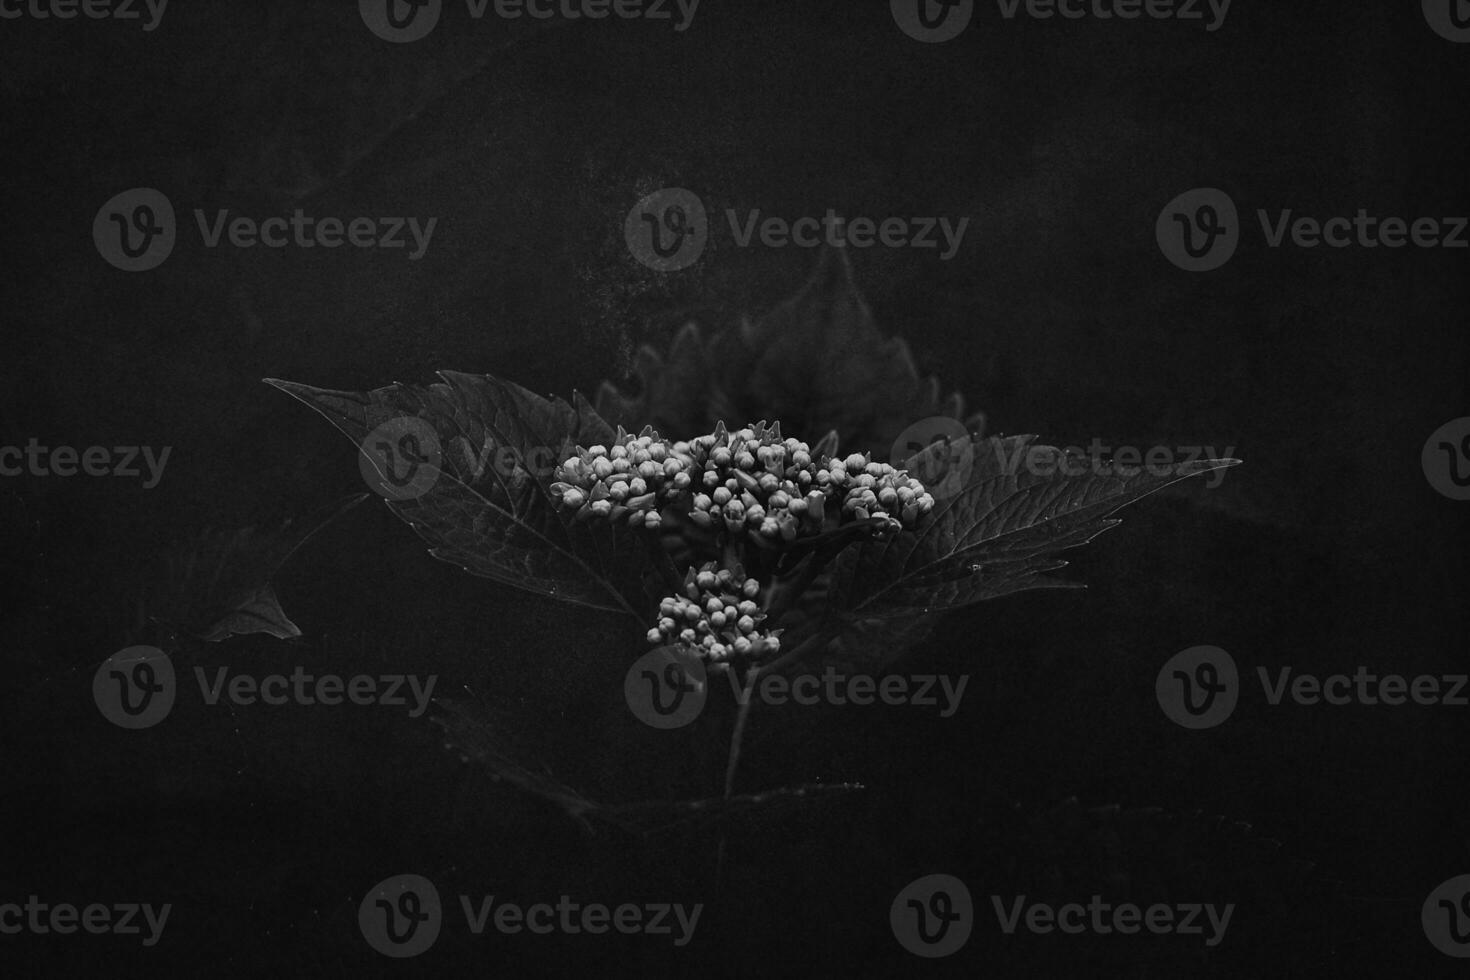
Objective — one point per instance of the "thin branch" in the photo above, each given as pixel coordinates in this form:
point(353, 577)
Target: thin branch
point(738, 734)
point(808, 646)
point(661, 561)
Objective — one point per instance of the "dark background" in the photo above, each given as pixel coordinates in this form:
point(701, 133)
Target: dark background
point(1325, 369)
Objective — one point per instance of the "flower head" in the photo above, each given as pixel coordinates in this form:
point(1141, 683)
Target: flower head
point(750, 483)
point(716, 617)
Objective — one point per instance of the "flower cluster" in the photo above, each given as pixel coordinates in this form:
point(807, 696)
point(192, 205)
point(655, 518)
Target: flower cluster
point(717, 617)
point(754, 481)
point(628, 481)
point(750, 483)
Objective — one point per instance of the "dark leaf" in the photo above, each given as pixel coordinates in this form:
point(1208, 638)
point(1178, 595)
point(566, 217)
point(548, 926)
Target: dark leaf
point(471, 730)
point(220, 584)
point(489, 508)
point(1000, 533)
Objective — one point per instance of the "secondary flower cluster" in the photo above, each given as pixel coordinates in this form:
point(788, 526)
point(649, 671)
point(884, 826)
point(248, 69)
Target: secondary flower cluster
point(717, 617)
point(748, 482)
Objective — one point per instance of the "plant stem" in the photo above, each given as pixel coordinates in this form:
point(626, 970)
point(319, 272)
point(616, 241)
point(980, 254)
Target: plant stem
point(738, 734)
point(819, 559)
point(785, 597)
point(811, 644)
point(661, 561)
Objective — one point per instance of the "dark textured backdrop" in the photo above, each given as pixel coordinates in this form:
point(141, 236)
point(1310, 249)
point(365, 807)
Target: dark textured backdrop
point(1061, 141)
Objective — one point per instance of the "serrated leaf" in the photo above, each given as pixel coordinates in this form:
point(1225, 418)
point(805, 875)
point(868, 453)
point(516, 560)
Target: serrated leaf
point(1000, 533)
point(817, 362)
point(490, 509)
